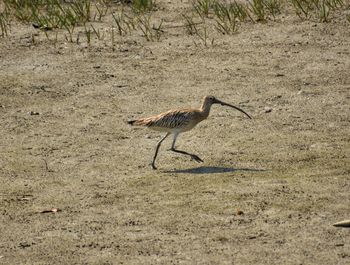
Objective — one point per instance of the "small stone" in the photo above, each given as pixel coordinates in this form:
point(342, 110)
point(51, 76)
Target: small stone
point(239, 212)
point(339, 245)
point(267, 109)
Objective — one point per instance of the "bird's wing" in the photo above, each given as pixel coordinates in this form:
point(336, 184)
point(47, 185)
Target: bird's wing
point(171, 119)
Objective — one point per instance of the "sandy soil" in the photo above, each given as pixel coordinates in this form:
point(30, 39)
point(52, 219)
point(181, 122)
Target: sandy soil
point(268, 191)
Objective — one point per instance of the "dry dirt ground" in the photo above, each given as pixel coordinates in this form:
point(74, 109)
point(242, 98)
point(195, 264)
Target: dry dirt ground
point(268, 191)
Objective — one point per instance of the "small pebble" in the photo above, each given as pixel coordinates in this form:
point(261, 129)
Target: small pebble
point(239, 212)
point(267, 109)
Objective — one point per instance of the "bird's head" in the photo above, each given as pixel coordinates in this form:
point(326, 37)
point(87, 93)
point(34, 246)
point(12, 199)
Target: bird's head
point(210, 100)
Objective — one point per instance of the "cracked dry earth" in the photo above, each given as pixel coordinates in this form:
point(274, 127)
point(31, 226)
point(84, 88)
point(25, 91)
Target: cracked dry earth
point(269, 188)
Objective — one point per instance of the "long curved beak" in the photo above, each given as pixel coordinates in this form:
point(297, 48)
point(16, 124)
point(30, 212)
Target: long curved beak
point(229, 105)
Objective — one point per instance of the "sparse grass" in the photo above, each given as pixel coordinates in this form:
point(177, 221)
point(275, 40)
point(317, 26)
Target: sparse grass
point(125, 24)
point(88, 33)
point(113, 39)
point(204, 17)
point(97, 32)
point(50, 13)
point(240, 10)
point(323, 11)
point(273, 6)
point(141, 6)
point(190, 24)
point(198, 28)
point(202, 33)
point(202, 7)
point(320, 9)
point(20, 9)
point(81, 9)
point(225, 18)
point(257, 8)
point(150, 31)
point(158, 31)
point(101, 8)
point(325, 7)
point(120, 22)
point(4, 23)
point(302, 7)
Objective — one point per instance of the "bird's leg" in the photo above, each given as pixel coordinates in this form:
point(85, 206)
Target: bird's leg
point(157, 148)
point(195, 157)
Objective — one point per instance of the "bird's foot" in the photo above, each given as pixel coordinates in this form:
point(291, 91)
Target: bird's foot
point(196, 158)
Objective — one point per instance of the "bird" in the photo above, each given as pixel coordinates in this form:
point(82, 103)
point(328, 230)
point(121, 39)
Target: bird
point(181, 120)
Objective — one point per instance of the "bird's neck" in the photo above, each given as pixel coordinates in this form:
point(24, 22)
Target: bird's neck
point(205, 109)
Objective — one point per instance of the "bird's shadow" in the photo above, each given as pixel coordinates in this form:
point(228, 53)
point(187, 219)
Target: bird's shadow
point(212, 170)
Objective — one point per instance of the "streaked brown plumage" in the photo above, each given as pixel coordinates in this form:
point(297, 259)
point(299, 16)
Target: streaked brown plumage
point(178, 121)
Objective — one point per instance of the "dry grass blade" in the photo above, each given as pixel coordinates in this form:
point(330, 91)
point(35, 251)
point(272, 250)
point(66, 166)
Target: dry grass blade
point(123, 22)
point(88, 35)
point(97, 33)
point(102, 9)
point(52, 210)
point(4, 24)
point(190, 25)
point(149, 31)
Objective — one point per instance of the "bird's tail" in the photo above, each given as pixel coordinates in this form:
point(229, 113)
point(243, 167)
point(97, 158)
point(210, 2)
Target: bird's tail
point(131, 122)
point(141, 122)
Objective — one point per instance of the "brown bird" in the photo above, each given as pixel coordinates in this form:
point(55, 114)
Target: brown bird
point(178, 121)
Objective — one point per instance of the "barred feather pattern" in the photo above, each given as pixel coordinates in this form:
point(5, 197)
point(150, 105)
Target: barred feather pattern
point(183, 119)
